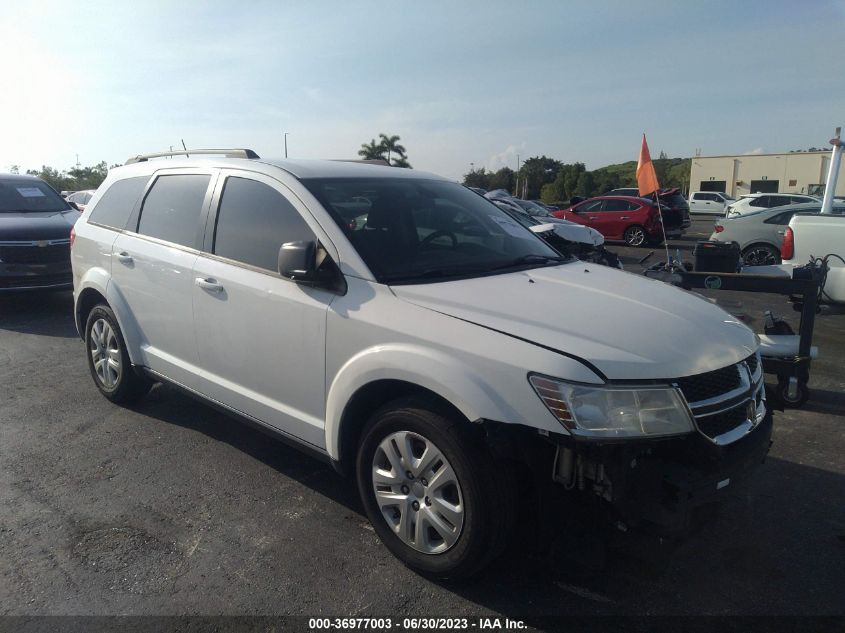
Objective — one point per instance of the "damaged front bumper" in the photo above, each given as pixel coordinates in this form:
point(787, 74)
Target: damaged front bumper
point(655, 483)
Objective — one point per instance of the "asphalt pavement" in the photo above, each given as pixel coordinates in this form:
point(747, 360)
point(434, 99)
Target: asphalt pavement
point(170, 507)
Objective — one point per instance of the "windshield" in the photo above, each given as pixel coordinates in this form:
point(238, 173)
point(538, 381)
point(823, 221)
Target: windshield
point(532, 207)
point(408, 229)
point(29, 195)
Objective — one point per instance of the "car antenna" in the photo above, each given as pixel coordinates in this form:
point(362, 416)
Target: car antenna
point(184, 147)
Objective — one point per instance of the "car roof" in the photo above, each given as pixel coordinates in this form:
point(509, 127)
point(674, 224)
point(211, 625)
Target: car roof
point(19, 177)
point(299, 168)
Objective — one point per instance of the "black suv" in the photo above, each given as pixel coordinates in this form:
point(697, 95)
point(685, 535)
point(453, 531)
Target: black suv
point(35, 225)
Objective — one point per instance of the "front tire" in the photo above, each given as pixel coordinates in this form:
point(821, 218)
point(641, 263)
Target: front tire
point(760, 255)
point(432, 491)
point(108, 359)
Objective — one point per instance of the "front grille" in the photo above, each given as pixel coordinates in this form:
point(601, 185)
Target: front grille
point(710, 384)
point(32, 254)
point(715, 425)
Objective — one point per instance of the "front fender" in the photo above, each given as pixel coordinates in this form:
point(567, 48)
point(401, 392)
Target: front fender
point(431, 369)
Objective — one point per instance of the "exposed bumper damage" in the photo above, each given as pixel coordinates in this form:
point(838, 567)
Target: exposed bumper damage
point(658, 484)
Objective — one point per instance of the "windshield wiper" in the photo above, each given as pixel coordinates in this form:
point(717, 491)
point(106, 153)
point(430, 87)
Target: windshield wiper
point(532, 258)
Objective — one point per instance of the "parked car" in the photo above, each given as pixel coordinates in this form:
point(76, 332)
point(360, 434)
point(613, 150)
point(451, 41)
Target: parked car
point(760, 234)
point(751, 202)
point(636, 221)
point(568, 238)
point(35, 235)
point(81, 198)
point(547, 207)
point(439, 352)
point(672, 203)
point(709, 202)
point(817, 236)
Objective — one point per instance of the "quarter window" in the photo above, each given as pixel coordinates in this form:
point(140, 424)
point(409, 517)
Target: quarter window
point(254, 221)
point(172, 208)
point(116, 204)
point(618, 205)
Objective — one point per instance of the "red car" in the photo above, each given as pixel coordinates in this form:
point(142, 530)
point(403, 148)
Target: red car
point(634, 220)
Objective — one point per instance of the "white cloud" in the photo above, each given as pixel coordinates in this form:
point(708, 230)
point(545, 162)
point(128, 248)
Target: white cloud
point(756, 150)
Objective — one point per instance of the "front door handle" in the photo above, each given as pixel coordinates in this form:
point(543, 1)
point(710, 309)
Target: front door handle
point(781, 232)
point(209, 284)
point(124, 257)
point(624, 217)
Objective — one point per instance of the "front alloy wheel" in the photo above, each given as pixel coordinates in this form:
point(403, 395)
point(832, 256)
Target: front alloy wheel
point(432, 490)
point(417, 492)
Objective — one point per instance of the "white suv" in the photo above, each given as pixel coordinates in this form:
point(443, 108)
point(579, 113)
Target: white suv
point(751, 202)
point(409, 331)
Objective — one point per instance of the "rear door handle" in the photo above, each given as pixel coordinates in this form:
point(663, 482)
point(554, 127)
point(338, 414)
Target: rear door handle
point(209, 284)
point(781, 232)
point(124, 257)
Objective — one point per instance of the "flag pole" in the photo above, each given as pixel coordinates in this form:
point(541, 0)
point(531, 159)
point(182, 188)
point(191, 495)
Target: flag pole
point(662, 228)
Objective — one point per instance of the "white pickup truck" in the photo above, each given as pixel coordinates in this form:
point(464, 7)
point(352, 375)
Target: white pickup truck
point(710, 202)
point(815, 236)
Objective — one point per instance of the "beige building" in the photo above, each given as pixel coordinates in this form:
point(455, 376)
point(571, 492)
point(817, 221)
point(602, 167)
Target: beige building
point(795, 172)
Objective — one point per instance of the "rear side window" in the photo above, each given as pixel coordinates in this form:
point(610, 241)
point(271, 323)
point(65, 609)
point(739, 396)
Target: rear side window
point(618, 205)
point(253, 222)
point(762, 201)
point(172, 208)
point(116, 204)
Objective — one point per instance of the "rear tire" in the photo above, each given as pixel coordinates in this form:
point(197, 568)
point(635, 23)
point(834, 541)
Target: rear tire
point(433, 446)
point(108, 359)
point(635, 235)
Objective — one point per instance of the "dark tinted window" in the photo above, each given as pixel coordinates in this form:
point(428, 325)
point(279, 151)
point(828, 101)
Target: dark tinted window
point(761, 201)
point(172, 208)
point(26, 194)
point(799, 200)
point(117, 202)
point(254, 220)
point(618, 205)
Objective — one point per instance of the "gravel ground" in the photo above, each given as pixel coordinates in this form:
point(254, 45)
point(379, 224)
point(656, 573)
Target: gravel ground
point(172, 508)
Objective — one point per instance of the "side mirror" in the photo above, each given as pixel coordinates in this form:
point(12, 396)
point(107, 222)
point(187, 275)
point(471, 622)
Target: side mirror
point(298, 261)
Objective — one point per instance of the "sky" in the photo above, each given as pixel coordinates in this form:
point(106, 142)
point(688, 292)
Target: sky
point(462, 83)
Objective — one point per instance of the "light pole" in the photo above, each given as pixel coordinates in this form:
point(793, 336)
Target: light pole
point(471, 167)
point(833, 172)
point(286, 144)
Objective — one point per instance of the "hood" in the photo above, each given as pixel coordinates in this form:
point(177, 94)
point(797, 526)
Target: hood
point(37, 225)
point(628, 326)
point(571, 232)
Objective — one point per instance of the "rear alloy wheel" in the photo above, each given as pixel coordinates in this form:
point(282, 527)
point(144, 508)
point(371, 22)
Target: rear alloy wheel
point(432, 491)
point(760, 255)
point(635, 235)
point(108, 359)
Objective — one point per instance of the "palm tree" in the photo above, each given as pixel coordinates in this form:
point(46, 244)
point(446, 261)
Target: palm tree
point(390, 144)
point(401, 162)
point(372, 151)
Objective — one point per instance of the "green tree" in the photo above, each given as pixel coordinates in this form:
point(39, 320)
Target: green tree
point(372, 151)
point(390, 144)
point(15, 169)
point(505, 179)
point(477, 178)
point(538, 171)
point(401, 162)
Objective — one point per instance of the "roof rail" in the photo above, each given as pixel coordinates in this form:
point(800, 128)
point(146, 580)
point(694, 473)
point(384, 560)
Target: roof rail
point(228, 153)
point(369, 161)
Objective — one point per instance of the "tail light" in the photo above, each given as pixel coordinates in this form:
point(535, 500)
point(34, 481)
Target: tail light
point(72, 236)
point(719, 228)
point(787, 249)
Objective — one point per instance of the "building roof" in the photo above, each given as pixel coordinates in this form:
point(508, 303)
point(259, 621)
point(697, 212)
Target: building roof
point(820, 152)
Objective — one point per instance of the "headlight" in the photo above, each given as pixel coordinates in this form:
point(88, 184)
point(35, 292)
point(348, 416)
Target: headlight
point(594, 411)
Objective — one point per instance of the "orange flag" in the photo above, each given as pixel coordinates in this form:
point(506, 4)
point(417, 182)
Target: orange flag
point(646, 178)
